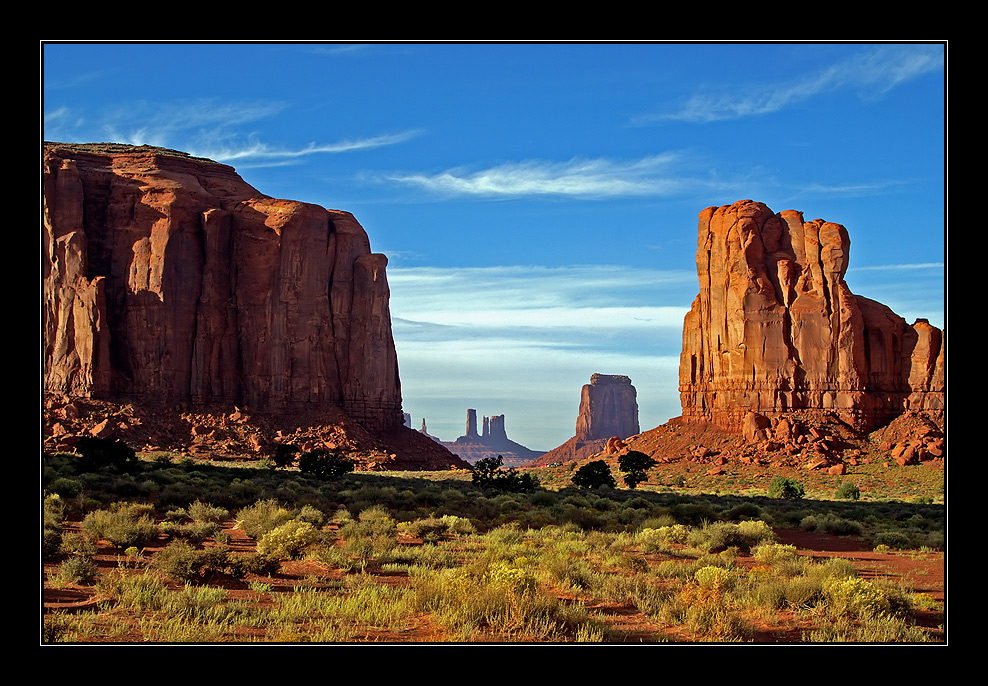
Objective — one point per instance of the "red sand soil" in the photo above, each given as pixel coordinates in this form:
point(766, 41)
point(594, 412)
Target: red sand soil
point(920, 572)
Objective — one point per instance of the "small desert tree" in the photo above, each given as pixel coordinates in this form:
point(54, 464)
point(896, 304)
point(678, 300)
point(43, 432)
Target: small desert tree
point(487, 474)
point(786, 488)
point(284, 455)
point(98, 453)
point(594, 475)
point(635, 465)
point(324, 464)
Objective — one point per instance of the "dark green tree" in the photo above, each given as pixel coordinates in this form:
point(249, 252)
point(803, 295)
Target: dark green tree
point(488, 474)
point(284, 455)
point(635, 465)
point(785, 488)
point(324, 464)
point(105, 452)
point(594, 475)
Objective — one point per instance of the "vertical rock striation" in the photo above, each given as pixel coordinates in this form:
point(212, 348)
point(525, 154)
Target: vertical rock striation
point(608, 414)
point(608, 407)
point(776, 329)
point(168, 278)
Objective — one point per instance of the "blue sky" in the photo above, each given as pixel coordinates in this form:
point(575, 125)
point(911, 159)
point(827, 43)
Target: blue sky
point(538, 202)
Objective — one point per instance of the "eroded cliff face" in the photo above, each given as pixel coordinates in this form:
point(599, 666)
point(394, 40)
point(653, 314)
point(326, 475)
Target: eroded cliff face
point(776, 329)
point(169, 278)
point(608, 414)
point(608, 407)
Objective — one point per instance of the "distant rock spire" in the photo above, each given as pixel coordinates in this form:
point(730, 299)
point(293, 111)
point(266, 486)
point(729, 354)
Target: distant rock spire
point(472, 424)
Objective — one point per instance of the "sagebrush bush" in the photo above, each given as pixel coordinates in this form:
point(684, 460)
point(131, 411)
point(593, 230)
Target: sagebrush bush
point(205, 512)
point(711, 577)
point(194, 532)
point(847, 491)
point(290, 540)
point(52, 512)
point(123, 526)
point(263, 516)
point(720, 536)
point(77, 569)
point(892, 539)
point(861, 598)
point(772, 553)
point(831, 524)
point(182, 562)
point(78, 544)
point(239, 566)
point(66, 487)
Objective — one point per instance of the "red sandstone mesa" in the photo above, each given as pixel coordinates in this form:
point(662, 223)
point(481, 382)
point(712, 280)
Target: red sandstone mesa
point(168, 278)
point(608, 414)
point(775, 329)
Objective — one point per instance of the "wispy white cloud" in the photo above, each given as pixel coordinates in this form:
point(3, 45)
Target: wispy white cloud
point(144, 121)
point(654, 175)
point(204, 127)
point(873, 72)
point(257, 151)
point(502, 337)
point(444, 292)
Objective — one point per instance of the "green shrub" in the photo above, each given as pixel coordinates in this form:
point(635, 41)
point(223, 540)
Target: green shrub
point(743, 511)
point(711, 577)
point(52, 512)
point(51, 542)
point(78, 544)
point(65, 487)
point(847, 491)
point(263, 516)
point(324, 464)
point(252, 563)
point(861, 598)
point(594, 474)
point(123, 526)
point(773, 553)
point(290, 540)
point(78, 569)
point(720, 536)
point(194, 532)
point(785, 488)
point(892, 539)
point(432, 529)
point(204, 512)
point(831, 524)
point(182, 562)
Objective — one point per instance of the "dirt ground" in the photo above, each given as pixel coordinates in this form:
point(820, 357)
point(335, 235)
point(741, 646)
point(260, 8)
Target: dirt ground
point(921, 572)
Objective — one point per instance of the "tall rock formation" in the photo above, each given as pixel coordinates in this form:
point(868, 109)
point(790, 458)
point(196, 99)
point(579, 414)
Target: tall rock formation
point(493, 441)
point(471, 431)
point(608, 410)
point(776, 329)
point(168, 278)
point(608, 407)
